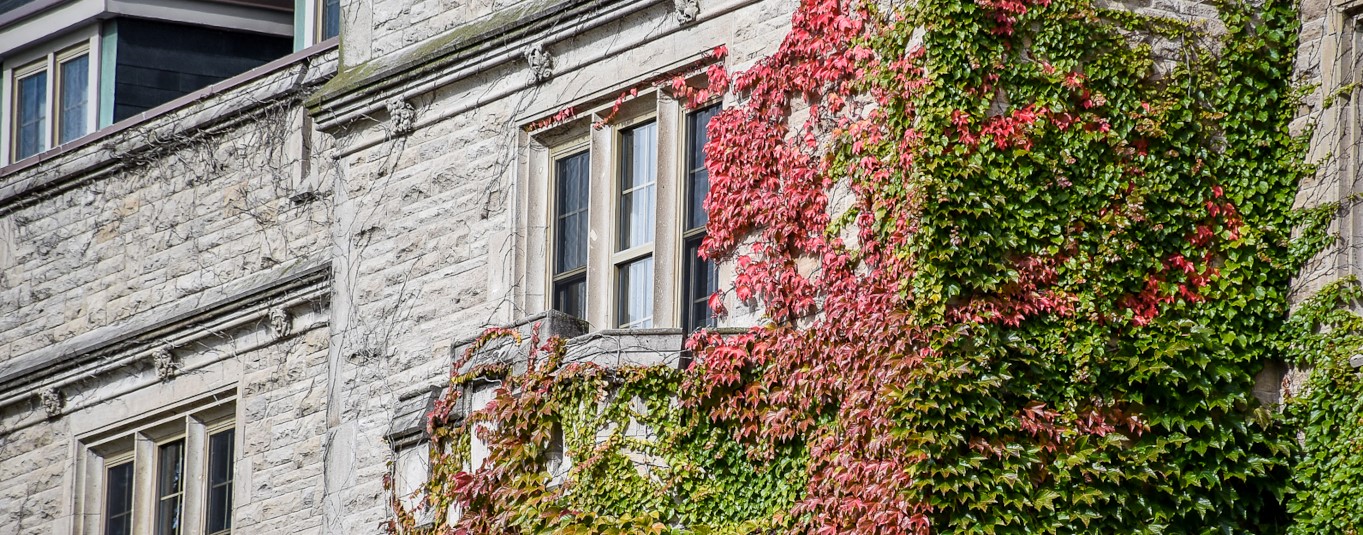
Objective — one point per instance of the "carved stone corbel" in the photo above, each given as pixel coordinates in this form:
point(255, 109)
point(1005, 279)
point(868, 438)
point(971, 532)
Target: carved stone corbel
point(402, 115)
point(280, 322)
point(686, 10)
point(53, 401)
point(164, 359)
point(541, 63)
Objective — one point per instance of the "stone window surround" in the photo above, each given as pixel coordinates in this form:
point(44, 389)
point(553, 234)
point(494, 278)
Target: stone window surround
point(540, 148)
point(138, 439)
point(46, 57)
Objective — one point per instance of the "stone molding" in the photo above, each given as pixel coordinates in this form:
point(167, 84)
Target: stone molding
point(107, 349)
point(472, 48)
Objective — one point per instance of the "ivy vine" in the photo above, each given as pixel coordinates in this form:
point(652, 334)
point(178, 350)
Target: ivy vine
point(1067, 254)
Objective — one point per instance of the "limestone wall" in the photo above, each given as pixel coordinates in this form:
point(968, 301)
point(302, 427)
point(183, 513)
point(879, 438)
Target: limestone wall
point(182, 259)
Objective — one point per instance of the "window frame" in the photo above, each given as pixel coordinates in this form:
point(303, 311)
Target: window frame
point(687, 233)
point(601, 118)
point(140, 442)
point(563, 151)
point(59, 60)
point(49, 58)
point(15, 123)
point(621, 258)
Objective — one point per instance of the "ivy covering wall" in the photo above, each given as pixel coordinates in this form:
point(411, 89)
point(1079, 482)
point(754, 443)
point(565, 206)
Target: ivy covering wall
point(1066, 253)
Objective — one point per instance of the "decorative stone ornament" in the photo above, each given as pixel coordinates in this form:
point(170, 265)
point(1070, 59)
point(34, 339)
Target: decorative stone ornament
point(686, 10)
point(165, 363)
point(402, 115)
point(280, 322)
point(541, 63)
point(53, 401)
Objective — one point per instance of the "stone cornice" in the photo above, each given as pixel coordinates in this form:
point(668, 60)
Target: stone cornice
point(187, 319)
point(498, 38)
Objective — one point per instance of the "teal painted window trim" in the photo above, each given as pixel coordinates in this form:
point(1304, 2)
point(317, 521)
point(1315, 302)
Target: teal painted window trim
point(108, 58)
point(300, 19)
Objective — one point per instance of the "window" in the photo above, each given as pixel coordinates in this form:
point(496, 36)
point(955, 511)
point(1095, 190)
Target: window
point(638, 179)
point(73, 79)
point(699, 276)
point(118, 500)
point(329, 20)
point(51, 102)
point(570, 233)
point(624, 215)
point(30, 114)
point(187, 486)
point(221, 449)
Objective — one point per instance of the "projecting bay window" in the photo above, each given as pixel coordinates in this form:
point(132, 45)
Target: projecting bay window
point(572, 198)
point(638, 180)
point(171, 474)
point(699, 276)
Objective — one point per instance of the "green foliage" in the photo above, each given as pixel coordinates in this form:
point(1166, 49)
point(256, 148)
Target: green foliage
point(1328, 412)
point(1066, 259)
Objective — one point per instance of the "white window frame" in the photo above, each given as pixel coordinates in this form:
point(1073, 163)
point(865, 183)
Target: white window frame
point(542, 147)
point(48, 57)
point(140, 440)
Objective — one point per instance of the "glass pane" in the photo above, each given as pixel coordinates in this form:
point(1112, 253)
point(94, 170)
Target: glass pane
point(570, 221)
point(699, 281)
point(118, 500)
point(169, 487)
point(32, 113)
point(220, 455)
point(331, 18)
point(74, 77)
point(570, 296)
point(638, 176)
point(635, 294)
point(697, 177)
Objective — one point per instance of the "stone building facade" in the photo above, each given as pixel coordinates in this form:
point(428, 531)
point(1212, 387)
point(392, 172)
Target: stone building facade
point(271, 273)
point(257, 285)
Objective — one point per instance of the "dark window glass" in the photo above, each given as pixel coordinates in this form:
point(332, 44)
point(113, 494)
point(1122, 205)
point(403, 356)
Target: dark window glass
point(331, 19)
point(570, 295)
point(32, 113)
point(699, 282)
point(170, 485)
point(635, 294)
point(699, 276)
point(638, 180)
point(697, 177)
point(118, 500)
point(570, 225)
point(220, 454)
point(74, 77)
point(570, 233)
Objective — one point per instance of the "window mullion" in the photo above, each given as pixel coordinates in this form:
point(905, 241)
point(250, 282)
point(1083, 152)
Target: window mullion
point(144, 484)
point(601, 219)
point(196, 455)
point(666, 261)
